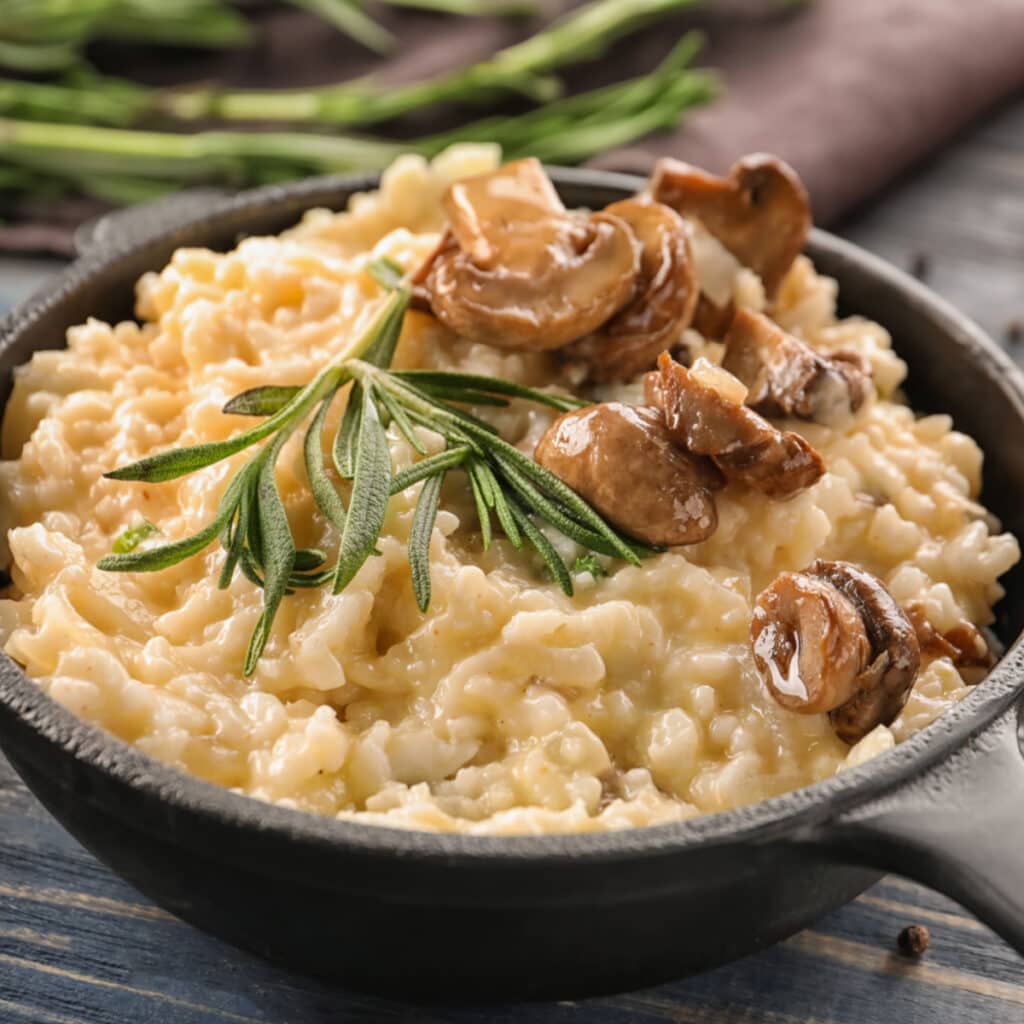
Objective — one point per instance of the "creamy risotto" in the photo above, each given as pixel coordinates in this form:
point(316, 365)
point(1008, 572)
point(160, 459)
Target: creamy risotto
point(508, 706)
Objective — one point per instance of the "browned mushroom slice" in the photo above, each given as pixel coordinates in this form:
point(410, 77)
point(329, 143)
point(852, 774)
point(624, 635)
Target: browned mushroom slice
point(420, 297)
point(760, 212)
point(522, 273)
point(809, 643)
point(832, 638)
point(786, 377)
point(886, 686)
point(710, 320)
point(664, 302)
point(965, 645)
point(705, 420)
point(620, 459)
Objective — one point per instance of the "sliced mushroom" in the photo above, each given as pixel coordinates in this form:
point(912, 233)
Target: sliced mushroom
point(832, 638)
point(522, 273)
point(710, 320)
point(786, 377)
point(706, 420)
point(809, 643)
point(760, 212)
point(621, 460)
point(965, 645)
point(664, 302)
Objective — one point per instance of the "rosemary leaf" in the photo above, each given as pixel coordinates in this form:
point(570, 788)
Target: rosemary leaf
point(263, 401)
point(386, 272)
point(323, 490)
point(484, 482)
point(447, 459)
point(177, 462)
point(589, 563)
point(237, 529)
point(348, 432)
point(348, 17)
point(388, 327)
point(463, 395)
point(482, 511)
point(549, 510)
point(401, 420)
point(278, 555)
point(419, 538)
point(565, 494)
point(558, 569)
point(502, 508)
point(166, 555)
point(472, 383)
point(371, 486)
point(308, 559)
point(133, 536)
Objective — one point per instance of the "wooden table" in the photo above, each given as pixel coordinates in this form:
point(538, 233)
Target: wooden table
point(79, 946)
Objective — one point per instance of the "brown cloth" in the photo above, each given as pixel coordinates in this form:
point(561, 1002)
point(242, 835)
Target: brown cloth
point(851, 92)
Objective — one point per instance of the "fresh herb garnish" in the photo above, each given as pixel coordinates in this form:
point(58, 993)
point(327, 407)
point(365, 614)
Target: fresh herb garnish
point(251, 522)
point(591, 564)
point(133, 536)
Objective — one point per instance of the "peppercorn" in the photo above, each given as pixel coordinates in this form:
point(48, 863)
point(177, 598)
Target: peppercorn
point(913, 940)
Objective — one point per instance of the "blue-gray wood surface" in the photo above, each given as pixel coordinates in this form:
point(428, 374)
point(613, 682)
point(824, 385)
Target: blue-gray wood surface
point(79, 946)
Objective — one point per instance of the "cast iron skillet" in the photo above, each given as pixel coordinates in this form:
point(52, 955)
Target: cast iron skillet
point(549, 915)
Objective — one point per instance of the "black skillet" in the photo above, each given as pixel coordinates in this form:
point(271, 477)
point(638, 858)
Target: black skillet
point(549, 915)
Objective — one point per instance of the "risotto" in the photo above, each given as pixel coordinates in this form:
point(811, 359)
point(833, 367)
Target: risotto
point(508, 705)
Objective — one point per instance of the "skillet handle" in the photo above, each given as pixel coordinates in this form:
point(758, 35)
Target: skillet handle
point(958, 827)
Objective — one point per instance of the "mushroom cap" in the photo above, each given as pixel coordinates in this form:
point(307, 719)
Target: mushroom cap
point(519, 272)
point(662, 306)
point(621, 460)
point(856, 652)
point(786, 377)
point(964, 644)
point(760, 211)
point(809, 643)
point(745, 446)
point(884, 689)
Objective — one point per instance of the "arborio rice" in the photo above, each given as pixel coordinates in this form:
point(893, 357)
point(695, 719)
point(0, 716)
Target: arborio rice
point(508, 707)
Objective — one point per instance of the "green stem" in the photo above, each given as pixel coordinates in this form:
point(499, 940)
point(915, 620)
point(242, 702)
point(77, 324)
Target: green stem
point(582, 35)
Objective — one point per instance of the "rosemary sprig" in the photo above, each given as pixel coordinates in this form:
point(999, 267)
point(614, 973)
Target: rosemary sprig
point(251, 523)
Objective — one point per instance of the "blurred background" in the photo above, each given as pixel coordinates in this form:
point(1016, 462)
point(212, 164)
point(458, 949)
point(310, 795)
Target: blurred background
point(111, 102)
point(905, 119)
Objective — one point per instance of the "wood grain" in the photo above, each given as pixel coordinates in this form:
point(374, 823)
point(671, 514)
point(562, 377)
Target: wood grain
point(78, 946)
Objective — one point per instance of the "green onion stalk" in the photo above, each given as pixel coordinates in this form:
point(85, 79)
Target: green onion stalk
point(124, 165)
point(524, 68)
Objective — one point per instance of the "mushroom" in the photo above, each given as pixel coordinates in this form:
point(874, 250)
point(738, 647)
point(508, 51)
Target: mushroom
point(832, 638)
point(520, 272)
point(621, 460)
point(664, 302)
point(704, 412)
point(965, 645)
point(760, 212)
point(786, 377)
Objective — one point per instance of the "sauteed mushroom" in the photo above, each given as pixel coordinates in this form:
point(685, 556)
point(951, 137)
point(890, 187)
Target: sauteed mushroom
point(786, 377)
point(965, 645)
point(621, 460)
point(705, 420)
point(519, 271)
point(760, 212)
point(664, 302)
point(832, 638)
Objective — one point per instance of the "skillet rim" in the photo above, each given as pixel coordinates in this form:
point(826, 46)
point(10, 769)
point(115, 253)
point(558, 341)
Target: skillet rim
point(789, 812)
